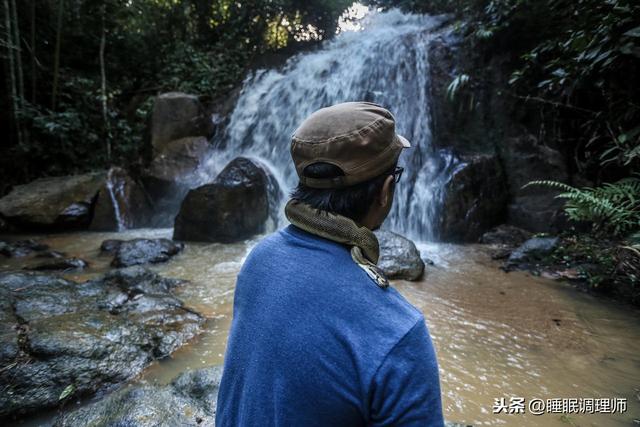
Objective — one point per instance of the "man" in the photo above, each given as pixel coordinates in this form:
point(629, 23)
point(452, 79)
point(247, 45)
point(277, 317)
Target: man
point(318, 337)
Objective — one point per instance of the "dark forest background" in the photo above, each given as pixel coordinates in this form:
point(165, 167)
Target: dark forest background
point(80, 76)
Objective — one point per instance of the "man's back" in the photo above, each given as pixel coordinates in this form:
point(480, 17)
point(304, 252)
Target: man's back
point(314, 341)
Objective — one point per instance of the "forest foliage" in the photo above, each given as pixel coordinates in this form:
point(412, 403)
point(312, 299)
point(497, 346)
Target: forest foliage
point(79, 74)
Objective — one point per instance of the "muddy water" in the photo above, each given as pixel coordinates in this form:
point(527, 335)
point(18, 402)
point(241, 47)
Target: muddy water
point(496, 334)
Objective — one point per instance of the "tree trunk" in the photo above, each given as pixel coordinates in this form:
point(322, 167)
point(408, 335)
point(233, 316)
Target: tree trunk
point(18, 50)
point(103, 87)
point(12, 68)
point(56, 58)
point(33, 52)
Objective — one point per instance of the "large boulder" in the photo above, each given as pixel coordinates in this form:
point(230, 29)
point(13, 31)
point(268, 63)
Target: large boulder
point(172, 172)
point(399, 257)
point(59, 337)
point(533, 208)
point(121, 203)
point(178, 115)
point(141, 251)
point(475, 199)
point(234, 207)
point(108, 201)
point(176, 165)
point(58, 203)
point(190, 400)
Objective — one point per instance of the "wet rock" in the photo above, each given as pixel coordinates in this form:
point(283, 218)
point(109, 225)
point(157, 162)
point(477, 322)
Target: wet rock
point(53, 203)
point(121, 203)
point(51, 254)
point(84, 337)
point(110, 246)
point(175, 165)
point(234, 207)
point(61, 264)
point(141, 251)
point(138, 280)
point(501, 252)
point(538, 213)
point(505, 235)
point(190, 400)
point(530, 251)
point(178, 115)
point(534, 208)
point(475, 199)
point(399, 257)
point(483, 119)
point(171, 174)
point(21, 248)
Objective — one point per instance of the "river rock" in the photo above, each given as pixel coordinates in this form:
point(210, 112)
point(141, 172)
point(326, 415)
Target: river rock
point(21, 248)
point(141, 251)
point(175, 165)
point(57, 203)
point(171, 174)
point(190, 400)
point(505, 235)
point(178, 115)
point(530, 251)
point(534, 208)
point(61, 264)
point(57, 335)
point(475, 199)
point(399, 257)
point(234, 207)
point(121, 203)
point(110, 246)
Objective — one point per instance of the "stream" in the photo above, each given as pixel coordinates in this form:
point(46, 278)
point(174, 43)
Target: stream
point(496, 334)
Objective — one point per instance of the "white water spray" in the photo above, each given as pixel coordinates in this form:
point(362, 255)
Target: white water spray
point(387, 63)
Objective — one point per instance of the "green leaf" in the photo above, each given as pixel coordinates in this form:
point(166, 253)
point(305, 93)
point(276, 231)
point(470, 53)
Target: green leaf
point(68, 391)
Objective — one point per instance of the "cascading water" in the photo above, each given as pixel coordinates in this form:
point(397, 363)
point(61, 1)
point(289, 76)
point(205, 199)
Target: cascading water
point(386, 63)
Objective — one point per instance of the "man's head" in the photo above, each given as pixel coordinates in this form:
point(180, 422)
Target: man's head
point(346, 157)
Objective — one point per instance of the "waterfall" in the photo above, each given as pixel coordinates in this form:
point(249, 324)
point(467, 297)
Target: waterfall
point(387, 63)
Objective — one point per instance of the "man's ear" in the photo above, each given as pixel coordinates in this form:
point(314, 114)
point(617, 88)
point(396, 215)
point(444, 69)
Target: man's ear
point(386, 192)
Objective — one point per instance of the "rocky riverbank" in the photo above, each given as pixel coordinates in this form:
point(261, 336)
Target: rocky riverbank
point(61, 338)
point(601, 266)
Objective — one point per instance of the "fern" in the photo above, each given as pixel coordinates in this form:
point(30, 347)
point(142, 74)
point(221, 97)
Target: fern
point(456, 85)
point(612, 207)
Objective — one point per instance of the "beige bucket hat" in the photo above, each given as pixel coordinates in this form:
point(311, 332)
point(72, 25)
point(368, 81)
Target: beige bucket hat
point(358, 137)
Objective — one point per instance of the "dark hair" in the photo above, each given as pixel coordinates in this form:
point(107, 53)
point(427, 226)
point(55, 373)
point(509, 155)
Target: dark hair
point(353, 201)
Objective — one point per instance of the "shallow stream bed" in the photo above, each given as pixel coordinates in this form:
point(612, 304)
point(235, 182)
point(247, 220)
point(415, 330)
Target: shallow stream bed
point(497, 335)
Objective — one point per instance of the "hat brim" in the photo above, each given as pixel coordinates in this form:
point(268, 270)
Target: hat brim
point(403, 141)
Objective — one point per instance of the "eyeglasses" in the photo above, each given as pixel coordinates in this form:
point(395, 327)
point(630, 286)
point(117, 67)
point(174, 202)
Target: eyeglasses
point(397, 173)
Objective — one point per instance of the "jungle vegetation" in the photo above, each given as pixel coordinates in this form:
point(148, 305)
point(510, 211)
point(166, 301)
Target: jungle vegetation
point(80, 74)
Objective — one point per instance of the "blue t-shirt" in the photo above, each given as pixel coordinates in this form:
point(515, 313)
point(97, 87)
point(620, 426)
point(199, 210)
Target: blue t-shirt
point(315, 342)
